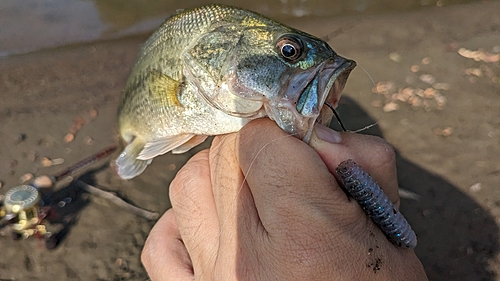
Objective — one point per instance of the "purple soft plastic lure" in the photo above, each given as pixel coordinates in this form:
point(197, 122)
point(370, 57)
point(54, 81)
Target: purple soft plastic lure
point(361, 186)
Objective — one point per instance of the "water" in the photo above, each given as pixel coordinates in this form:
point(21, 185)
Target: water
point(30, 25)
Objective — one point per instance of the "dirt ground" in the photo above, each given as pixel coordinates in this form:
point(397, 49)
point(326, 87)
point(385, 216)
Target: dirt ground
point(447, 136)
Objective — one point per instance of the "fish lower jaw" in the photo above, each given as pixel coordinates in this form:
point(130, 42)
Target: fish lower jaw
point(287, 117)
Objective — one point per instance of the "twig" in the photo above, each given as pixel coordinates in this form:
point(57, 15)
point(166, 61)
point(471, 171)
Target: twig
point(117, 200)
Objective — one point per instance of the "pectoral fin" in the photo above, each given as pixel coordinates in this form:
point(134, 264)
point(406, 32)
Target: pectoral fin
point(163, 145)
point(127, 164)
point(194, 141)
point(164, 88)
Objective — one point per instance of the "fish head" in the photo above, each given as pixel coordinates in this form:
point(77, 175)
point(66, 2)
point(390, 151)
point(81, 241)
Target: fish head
point(296, 73)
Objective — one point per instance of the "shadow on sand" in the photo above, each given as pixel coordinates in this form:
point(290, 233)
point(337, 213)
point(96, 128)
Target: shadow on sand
point(456, 236)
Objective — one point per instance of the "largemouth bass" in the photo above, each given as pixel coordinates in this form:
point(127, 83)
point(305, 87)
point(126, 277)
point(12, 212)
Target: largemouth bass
point(210, 70)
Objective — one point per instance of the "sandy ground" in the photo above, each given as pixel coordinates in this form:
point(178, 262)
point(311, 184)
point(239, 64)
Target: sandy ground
point(448, 148)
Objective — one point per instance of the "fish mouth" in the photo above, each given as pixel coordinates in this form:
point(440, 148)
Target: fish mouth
point(326, 87)
point(300, 104)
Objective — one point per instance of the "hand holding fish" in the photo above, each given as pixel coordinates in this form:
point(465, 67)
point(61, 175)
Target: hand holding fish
point(260, 205)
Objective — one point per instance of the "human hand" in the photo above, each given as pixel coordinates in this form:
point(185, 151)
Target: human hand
point(261, 205)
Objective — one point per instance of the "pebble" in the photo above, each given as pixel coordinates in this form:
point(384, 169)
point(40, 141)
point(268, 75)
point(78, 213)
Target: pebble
point(69, 138)
point(391, 106)
point(427, 78)
point(383, 87)
point(426, 61)
point(88, 140)
point(474, 71)
point(475, 187)
point(414, 68)
point(172, 167)
point(26, 178)
point(479, 55)
point(430, 93)
point(43, 181)
point(47, 162)
point(446, 132)
point(93, 113)
point(395, 57)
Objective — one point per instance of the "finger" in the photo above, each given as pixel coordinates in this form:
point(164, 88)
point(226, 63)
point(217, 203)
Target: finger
point(194, 208)
point(164, 255)
point(233, 200)
point(372, 153)
point(287, 178)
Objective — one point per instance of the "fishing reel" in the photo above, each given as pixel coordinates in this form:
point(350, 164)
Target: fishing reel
point(23, 211)
point(24, 208)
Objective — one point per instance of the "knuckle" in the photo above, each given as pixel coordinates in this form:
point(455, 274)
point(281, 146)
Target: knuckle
point(191, 172)
point(383, 152)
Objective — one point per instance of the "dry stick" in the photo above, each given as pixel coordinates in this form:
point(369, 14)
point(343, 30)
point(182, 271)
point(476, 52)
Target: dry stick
point(117, 200)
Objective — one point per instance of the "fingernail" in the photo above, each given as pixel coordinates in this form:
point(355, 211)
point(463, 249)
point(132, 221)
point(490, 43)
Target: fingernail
point(327, 134)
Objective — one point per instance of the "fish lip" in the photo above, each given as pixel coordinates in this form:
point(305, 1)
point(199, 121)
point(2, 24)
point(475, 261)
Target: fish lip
point(332, 79)
point(341, 69)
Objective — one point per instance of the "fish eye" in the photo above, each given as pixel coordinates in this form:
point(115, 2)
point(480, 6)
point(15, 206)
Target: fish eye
point(289, 48)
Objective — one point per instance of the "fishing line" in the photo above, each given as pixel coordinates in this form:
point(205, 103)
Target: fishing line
point(336, 116)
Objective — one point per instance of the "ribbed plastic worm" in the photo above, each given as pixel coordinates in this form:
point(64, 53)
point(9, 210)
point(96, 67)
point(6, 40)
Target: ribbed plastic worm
point(361, 186)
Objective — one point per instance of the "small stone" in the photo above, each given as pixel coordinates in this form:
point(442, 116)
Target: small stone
point(389, 107)
point(426, 61)
point(172, 167)
point(414, 68)
point(69, 138)
point(446, 132)
point(383, 87)
point(57, 161)
point(419, 92)
point(395, 57)
point(93, 113)
point(43, 181)
point(415, 102)
point(46, 162)
point(427, 78)
point(474, 71)
point(88, 140)
point(26, 178)
point(475, 187)
point(430, 93)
